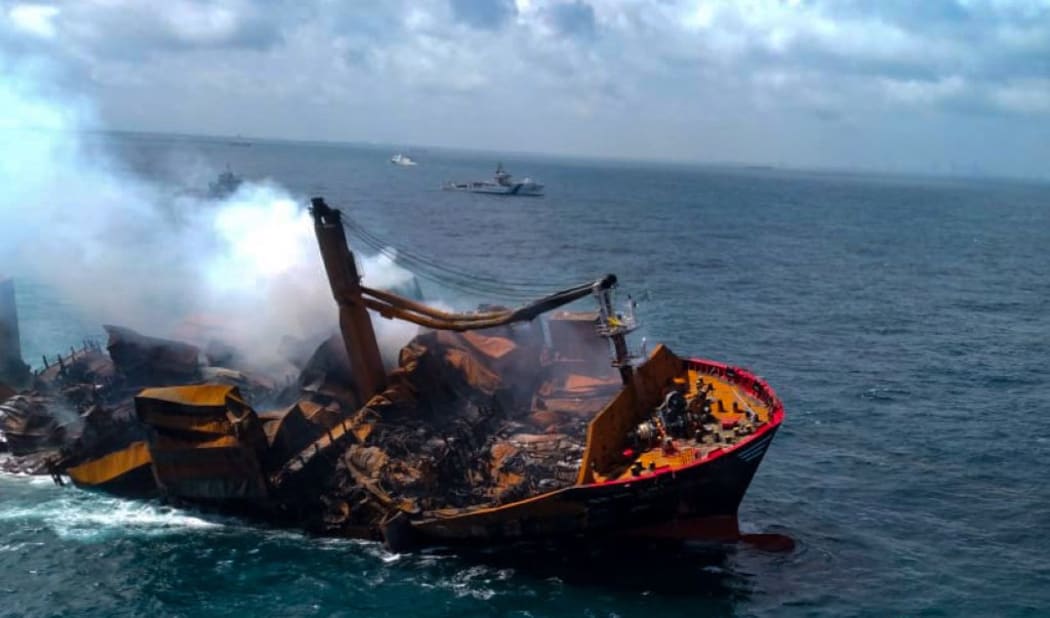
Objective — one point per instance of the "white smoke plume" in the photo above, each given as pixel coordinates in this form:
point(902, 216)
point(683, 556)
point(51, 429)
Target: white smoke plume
point(244, 270)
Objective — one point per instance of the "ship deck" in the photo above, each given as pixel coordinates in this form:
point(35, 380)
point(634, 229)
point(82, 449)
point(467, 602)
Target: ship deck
point(730, 407)
point(543, 451)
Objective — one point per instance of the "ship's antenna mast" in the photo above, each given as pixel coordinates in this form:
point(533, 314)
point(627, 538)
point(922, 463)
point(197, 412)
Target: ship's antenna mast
point(354, 322)
point(616, 327)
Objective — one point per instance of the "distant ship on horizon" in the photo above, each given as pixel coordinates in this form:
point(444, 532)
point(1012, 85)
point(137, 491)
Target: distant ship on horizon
point(402, 160)
point(239, 141)
point(225, 185)
point(501, 184)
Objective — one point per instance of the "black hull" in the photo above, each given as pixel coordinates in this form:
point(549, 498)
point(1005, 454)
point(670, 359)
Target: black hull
point(695, 501)
point(711, 490)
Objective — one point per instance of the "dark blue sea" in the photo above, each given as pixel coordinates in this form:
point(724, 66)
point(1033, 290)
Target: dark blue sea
point(904, 321)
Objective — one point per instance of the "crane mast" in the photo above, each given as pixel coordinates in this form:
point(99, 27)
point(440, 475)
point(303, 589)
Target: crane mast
point(355, 299)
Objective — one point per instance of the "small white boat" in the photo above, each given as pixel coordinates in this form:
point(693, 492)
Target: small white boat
point(502, 184)
point(402, 160)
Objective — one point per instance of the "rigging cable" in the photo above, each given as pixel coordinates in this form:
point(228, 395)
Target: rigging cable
point(453, 278)
point(457, 279)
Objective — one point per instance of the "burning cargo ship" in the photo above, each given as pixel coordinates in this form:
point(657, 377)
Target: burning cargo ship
point(484, 432)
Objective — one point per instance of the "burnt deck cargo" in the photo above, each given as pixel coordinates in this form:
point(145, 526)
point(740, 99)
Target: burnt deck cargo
point(127, 472)
point(205, 443)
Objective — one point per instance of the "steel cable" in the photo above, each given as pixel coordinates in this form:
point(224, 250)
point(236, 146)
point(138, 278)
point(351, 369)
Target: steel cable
point(426, 268)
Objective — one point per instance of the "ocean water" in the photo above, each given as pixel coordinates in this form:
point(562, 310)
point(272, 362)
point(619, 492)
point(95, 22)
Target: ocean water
point(903, 321)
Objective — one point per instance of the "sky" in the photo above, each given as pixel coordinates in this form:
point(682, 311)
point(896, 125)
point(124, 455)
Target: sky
point(926, 86)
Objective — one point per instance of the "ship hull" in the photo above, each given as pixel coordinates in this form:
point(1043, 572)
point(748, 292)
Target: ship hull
point(519, 189)
point(695, 502)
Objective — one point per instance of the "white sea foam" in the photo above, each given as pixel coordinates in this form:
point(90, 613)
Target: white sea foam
point(94, 522)
point(472, 582)
point(79, 515)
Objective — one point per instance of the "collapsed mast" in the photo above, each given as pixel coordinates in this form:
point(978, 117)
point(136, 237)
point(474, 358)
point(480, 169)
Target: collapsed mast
point(355, 325)
point(354, 298)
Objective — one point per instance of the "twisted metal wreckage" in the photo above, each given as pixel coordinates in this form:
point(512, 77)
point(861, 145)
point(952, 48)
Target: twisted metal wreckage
point(483, 432)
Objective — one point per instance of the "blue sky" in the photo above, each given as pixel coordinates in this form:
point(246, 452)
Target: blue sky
point(960, 86)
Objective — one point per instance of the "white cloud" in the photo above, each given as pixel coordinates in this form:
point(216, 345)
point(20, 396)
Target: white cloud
point(195, 23)
point(35, 19)
point(1027, 96)
point(919, 92)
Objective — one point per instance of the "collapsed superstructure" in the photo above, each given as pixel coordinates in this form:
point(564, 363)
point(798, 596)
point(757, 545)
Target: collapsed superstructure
point(489, 428)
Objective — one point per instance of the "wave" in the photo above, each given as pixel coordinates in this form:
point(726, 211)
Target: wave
point(79, 515)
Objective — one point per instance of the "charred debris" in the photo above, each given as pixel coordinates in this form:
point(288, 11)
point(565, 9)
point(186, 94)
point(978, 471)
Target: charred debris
point(488, 428)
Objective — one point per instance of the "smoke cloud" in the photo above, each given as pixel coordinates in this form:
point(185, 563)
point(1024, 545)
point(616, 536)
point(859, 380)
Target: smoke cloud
point(244, 270)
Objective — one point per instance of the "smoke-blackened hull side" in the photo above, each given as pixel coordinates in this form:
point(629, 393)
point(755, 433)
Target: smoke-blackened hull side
point(699, 501)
